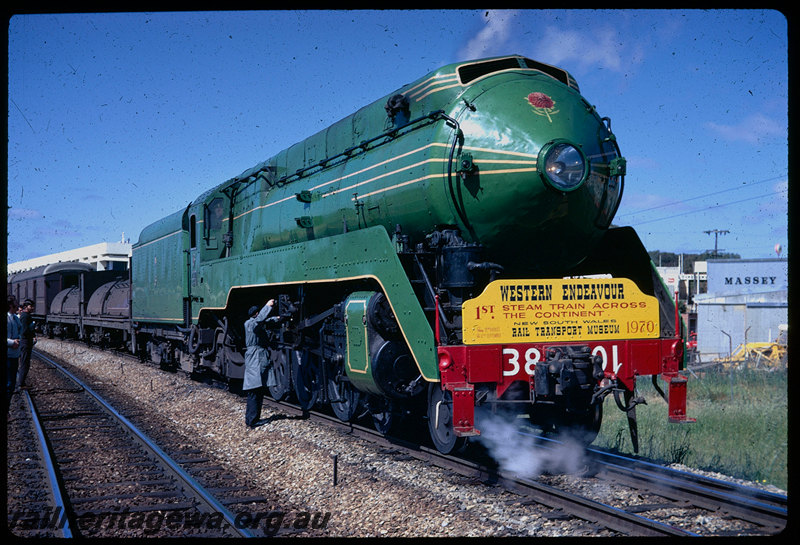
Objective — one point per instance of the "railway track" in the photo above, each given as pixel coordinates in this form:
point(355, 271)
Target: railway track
point(764, 511)
point(34, 479)
point(668, 495)
point(106, 478)
point(750, 511)
point(656, 500)
point(561, 503)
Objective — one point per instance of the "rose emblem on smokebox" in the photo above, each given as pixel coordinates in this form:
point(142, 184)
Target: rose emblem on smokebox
point(542, 105)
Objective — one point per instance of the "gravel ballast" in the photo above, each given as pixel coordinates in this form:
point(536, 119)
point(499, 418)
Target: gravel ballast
point(377, 493)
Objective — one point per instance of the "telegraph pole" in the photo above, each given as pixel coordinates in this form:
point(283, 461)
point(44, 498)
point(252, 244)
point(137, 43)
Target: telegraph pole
point(716, 232)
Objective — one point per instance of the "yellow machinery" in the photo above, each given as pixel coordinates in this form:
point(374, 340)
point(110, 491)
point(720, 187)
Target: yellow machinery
point(769, 355)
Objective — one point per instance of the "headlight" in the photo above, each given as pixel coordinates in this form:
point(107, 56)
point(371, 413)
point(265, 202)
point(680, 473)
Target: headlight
point(563, 165)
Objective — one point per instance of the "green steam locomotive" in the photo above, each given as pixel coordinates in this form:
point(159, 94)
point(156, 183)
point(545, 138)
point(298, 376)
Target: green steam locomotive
point(446, 247)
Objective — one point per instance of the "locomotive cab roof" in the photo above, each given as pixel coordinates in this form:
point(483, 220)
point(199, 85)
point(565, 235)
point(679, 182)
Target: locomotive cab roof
point(473, 70)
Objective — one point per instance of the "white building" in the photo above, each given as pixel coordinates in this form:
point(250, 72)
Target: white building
point(104, 256)
point(747, 301)
point(686, 284)
point(671, 276)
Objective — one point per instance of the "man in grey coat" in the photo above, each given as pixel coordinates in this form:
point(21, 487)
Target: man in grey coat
point(256, 361)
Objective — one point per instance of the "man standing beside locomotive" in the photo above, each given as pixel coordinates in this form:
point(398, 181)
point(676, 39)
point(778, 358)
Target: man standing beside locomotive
point(26, 341)
point(256, 361)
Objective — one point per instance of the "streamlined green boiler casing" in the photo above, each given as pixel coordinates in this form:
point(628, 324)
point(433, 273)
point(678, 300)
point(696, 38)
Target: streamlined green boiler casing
point(413, 178)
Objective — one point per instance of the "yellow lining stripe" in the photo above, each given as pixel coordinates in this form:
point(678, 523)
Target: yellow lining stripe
point(392, 173)
point(264, 206)
point(376, 165)
point(432, 176)
point(533, 160)
point(506, 152)
point(329, 182)
point(437, 90)
point(433, 80)
point(505, 162)
point(159, 238)
point(433, 86)
point(509, 171)
point(409, 182)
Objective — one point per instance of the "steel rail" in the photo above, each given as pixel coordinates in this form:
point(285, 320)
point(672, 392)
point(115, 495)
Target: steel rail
point(749, 504)
point(207, 500)
point(60, 500)
point(587, 509)
point(580, 507)
point(742, 502)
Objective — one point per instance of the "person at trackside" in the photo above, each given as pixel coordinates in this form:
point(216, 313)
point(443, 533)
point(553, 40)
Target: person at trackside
point(256, 361)
point(26, 341)
point(13, 334)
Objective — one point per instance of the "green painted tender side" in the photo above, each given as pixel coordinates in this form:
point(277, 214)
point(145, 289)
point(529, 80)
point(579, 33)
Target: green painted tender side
point(157, 275)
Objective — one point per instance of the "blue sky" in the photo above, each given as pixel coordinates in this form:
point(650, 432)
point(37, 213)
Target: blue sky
point(118, 119)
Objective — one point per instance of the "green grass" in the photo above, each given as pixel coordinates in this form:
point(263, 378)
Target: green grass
point(741, 428)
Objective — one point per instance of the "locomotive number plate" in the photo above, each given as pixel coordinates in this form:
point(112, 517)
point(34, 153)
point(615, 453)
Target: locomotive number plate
point(560, 310)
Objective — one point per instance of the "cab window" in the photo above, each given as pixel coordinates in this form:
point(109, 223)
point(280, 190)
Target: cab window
point(216, 214)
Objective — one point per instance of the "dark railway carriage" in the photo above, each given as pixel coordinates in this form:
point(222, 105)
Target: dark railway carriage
point(443, 248)
point(69, 312)
point(42, 284)
point(73, 300)
point(107, 320)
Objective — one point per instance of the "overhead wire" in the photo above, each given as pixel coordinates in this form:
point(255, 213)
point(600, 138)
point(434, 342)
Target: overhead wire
point(743, 186)
point(711, 207)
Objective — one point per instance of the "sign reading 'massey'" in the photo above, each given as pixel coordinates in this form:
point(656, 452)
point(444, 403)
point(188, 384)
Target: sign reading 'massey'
point(514, 311)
